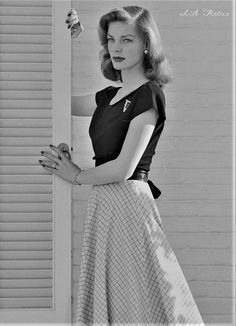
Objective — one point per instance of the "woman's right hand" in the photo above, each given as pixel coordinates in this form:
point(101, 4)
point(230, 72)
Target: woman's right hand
point(74, 23)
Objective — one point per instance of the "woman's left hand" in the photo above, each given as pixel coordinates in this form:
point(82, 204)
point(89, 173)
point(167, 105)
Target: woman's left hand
point(60, 165)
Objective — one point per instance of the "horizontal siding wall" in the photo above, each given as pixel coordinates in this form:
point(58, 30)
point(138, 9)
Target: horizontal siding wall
point(193, 161)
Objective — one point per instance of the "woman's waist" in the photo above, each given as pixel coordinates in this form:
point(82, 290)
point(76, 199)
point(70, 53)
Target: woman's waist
point(142, 175)
point(139, 174)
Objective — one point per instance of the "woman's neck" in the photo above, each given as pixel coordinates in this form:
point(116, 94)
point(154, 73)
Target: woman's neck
point(131, 80)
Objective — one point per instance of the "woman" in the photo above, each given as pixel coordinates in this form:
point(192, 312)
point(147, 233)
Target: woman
point(129, 272)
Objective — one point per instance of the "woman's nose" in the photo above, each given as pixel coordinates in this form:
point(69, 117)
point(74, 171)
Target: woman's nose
point(117, 47)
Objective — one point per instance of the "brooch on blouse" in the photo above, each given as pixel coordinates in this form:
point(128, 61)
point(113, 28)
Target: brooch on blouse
point(126, 105)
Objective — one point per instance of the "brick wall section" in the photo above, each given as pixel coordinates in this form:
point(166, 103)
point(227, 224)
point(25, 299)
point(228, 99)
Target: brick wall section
point(193, 161)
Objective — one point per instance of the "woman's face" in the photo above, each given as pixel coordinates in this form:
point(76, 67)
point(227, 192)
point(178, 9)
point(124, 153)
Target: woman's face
point(125, 46)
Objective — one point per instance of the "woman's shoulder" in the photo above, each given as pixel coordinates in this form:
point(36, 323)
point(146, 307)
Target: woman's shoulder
point(103, 93)
point(153, 86)
point(152, 90)
point(107, 89)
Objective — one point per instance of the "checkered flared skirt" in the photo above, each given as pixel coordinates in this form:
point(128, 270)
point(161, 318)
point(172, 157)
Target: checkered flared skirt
point(129, 273)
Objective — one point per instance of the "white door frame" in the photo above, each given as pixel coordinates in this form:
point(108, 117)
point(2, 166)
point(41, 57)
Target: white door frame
point(62, 134)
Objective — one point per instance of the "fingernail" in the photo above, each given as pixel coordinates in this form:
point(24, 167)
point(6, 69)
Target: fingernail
point(42, 152)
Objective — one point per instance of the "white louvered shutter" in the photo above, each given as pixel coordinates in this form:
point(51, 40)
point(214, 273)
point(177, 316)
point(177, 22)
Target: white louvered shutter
point(31, 266)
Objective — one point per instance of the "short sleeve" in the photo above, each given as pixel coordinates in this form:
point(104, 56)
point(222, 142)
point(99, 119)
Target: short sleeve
point(149, 96)
point(102, 94)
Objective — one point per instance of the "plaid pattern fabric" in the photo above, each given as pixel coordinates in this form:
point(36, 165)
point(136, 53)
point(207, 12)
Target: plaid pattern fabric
point(129, 272)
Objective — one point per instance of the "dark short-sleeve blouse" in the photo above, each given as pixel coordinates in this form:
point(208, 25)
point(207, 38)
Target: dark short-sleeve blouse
point(110, 123)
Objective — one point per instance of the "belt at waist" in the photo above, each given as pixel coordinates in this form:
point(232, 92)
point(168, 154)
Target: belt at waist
point(142, 175)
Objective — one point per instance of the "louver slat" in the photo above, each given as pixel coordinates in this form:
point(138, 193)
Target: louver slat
point(24, 142)
point(16, 170)
point(23, 303)
point(34, 245)
point(26, 114)
point(22, 29)
point(25, 132)
point(24, 85)
point(26, 228)
point(21, 236)
point(25, 104)
point(24, 66)
point(25, 264)
point(33, 188)
point(25, 48)
point(25, 283)
point(25, 123)
point(33, 293)
point(25, 208)
point(25, 179)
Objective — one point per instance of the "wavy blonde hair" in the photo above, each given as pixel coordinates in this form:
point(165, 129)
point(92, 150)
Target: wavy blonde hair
point(155, 63)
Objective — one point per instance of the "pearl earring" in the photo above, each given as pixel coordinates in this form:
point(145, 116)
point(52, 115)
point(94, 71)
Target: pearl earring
point(145, 51)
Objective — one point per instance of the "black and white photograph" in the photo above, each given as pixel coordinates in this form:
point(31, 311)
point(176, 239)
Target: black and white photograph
point(117, 163)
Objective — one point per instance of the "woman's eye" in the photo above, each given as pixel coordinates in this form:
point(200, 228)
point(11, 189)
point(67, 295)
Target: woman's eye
point(125, 40)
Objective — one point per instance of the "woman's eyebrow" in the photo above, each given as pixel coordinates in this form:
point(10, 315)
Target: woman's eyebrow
point(127, 35)
point(122, 35)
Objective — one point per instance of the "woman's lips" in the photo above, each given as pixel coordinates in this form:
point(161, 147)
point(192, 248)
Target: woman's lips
point(118, 59)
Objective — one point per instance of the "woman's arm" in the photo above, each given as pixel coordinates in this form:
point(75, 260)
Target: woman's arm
point(84, 105)
point(120, 169)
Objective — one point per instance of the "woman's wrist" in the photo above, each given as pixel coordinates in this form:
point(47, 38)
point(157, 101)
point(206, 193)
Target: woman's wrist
point(76, 182)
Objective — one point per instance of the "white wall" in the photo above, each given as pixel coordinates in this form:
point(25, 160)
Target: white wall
point(192, 165)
